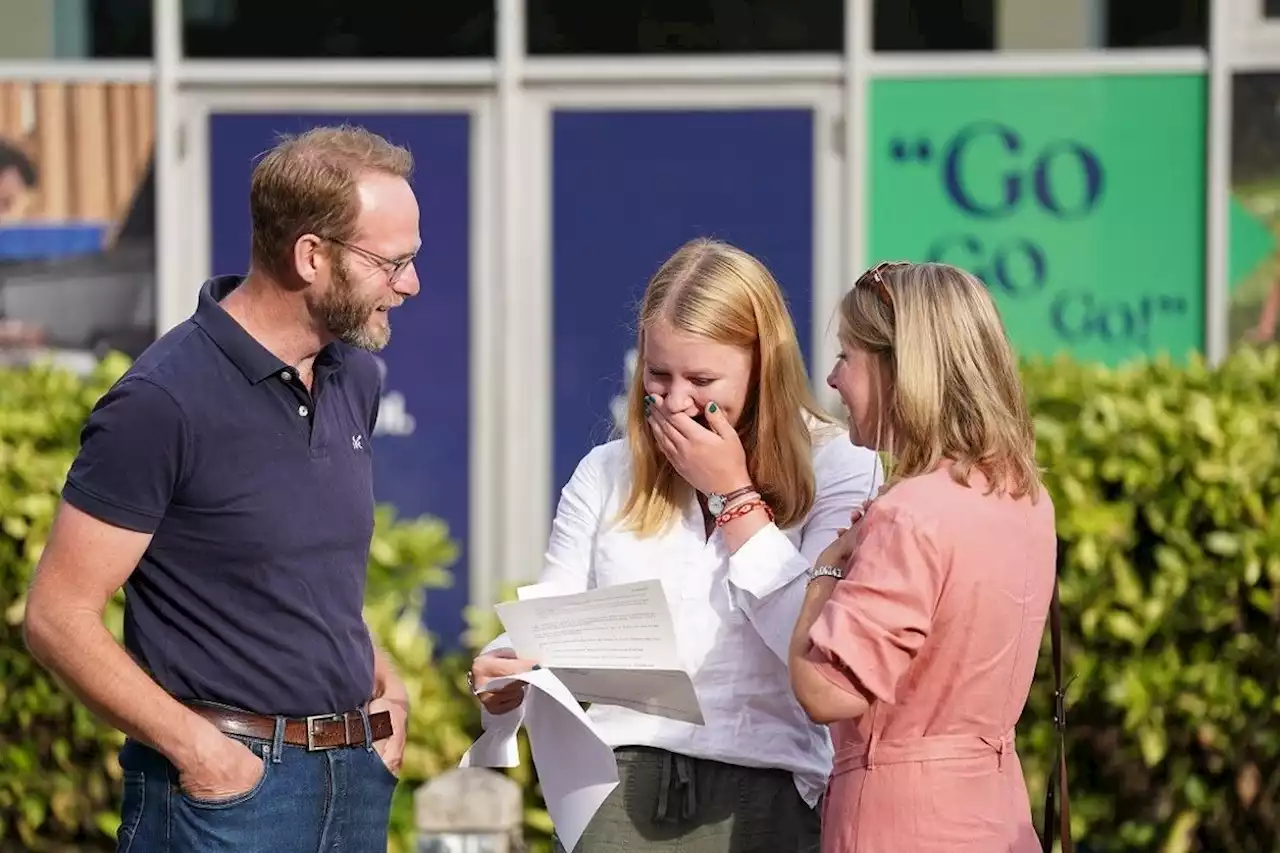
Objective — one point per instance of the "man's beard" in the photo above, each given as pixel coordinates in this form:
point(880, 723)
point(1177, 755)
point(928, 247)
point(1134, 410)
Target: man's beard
point(346, 317)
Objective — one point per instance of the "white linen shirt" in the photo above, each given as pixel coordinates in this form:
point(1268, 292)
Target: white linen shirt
point(733, 614)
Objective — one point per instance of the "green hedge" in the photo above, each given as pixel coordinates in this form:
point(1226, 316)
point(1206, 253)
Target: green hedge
point(1167, 484)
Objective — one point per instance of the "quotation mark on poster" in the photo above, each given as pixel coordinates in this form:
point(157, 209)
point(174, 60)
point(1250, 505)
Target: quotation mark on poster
point(909, 151)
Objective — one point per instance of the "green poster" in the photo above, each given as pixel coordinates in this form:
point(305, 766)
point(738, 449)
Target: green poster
point(1078, 200)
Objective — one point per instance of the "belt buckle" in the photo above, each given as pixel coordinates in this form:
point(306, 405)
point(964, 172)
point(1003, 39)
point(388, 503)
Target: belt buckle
point(318, 718)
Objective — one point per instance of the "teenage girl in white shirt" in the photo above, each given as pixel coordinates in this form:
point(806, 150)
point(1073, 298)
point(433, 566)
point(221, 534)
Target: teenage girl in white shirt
point(729, 486)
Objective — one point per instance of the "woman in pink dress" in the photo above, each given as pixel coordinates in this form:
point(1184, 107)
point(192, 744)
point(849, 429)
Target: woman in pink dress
point(918, 638)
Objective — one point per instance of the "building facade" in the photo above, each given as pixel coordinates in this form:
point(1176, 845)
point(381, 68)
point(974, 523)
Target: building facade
point(1110, 168)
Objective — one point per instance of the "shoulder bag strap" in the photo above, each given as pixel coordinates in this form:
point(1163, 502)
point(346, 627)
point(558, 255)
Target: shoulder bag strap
point(1058, 773)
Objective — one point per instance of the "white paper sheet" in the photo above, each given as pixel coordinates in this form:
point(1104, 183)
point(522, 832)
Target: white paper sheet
point(575, 767)
point(539, 590)
point(614, 646)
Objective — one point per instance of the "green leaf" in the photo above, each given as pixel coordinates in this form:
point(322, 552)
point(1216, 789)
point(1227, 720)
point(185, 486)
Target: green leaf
point(1223, 543)
point(33, 811)
point(1153, 742)
point(1123, 626)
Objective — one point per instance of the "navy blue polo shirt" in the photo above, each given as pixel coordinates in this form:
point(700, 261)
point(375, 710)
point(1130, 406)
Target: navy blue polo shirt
point(259, 496)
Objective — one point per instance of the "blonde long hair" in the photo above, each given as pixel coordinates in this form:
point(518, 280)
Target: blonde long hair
point(719, 292)
point(953, 387)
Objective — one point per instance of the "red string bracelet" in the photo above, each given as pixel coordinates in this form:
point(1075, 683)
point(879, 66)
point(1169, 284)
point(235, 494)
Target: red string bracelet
point(743, 509)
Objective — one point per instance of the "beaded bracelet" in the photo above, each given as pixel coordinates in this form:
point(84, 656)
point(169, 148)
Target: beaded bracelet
point(742, 509)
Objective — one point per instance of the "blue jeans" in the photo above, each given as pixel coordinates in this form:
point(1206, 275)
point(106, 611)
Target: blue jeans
point(330, 801)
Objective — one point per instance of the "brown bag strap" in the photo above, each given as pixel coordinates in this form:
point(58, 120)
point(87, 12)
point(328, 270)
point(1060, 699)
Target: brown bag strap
point(1058, 773)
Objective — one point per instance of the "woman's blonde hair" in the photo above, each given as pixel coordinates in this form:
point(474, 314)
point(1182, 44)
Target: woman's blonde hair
point(953, 392)
point(719, 292)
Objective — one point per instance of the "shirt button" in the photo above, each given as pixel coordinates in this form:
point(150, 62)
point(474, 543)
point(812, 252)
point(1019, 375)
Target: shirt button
point(286, 375)
point(302, 411)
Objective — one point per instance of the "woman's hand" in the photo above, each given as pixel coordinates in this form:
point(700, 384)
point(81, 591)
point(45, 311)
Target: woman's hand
point(499, 664)
point(709, 460)
point(840, 552)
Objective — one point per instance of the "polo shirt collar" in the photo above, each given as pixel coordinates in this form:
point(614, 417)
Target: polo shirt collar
point(254, 360)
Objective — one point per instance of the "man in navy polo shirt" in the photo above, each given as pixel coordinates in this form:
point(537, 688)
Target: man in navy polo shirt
point(226, 483)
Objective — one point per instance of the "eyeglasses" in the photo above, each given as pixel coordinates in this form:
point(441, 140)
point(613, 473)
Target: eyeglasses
point(394, 267)
point(875, 279)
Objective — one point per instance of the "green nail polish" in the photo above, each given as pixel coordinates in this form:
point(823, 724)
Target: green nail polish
point(713, 408)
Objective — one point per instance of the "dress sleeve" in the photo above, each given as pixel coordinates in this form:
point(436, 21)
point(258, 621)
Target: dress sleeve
point(878, 617)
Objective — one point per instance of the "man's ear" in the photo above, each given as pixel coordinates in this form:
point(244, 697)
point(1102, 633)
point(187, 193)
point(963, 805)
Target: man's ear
point(309, 258)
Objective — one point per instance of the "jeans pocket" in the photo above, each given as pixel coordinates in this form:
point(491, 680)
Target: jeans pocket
point(264, 750)
point(387, 776)
point(131, 809)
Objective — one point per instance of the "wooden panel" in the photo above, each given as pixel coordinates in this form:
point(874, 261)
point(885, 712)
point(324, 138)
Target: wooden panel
point(123, 153)
point(53, 151)
point(91, 181)
point(12, 125)
point(90, 143)
point(144, 114)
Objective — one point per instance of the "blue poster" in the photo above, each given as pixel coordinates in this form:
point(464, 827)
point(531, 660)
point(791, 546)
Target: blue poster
point(421, 445)
point(629, 188)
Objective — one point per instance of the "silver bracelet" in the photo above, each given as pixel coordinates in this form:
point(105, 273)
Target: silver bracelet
point(825, 571)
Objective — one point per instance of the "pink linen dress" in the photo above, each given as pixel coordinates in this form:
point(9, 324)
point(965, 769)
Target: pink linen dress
point(939, 622)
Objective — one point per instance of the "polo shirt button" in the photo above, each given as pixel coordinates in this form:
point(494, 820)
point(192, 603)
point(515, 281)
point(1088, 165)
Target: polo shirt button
point(302, 411)
point(286, 375)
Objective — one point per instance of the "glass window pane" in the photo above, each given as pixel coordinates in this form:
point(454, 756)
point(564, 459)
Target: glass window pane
point(927, 25)
point(984, 25)
point(76, 29)
point(1253, 213)
point(368, 29)
point(77, 220)
point(119, 29)
point(1157, 23)
point(628, 27)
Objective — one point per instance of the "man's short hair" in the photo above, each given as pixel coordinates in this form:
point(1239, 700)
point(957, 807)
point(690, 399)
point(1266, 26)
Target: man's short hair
point(306, 184)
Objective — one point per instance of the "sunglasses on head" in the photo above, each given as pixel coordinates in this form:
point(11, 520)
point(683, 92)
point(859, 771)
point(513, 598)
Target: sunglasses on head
point(874, 279)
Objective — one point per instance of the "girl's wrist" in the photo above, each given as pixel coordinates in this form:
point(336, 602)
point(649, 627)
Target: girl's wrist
point(748, 507)
point(739, 500)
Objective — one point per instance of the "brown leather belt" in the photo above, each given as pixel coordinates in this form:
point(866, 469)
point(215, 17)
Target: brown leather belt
point(317, 732)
